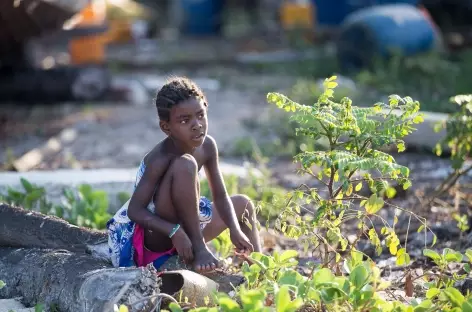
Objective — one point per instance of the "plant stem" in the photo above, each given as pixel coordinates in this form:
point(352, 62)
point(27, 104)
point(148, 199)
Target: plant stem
point(331, 182)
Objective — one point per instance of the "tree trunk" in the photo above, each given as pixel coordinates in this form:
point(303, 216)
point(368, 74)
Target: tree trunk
point(24, 228)
point(73, 282)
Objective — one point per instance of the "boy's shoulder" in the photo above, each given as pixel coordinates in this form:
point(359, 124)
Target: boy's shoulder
point(209, 145)
point(157, 157)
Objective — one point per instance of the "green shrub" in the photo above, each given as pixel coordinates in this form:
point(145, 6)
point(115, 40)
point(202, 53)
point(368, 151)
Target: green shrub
point(83, 207)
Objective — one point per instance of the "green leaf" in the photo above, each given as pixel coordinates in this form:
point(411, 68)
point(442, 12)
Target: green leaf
point(359, 276)
point(375, 240)
point(403, 258)
point(374, 204)
point(401, 147)
point(407, 185)
point(323, 276)
point(263, 261)
point(358, 187)
point(452, 255)
point(418, 119)
point(253, 299)
point(2, 284)
point(26, 185)
point(282, 299)
point(331, 85)
point(85, 190)
point(291, 278)
point(391, 192)
point(174, 307)
point(468, 254)
point(467, 306)
point(34, 195)
point(329, 294)
point(228, 304)
point(357, 256)
point(287, 255)
point(432, 292)
point(424, 306)
point(455, 297)
point(294, 305)
point(431, 254)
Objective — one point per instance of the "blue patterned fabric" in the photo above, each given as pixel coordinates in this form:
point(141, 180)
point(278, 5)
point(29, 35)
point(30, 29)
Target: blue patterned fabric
point(121, 228)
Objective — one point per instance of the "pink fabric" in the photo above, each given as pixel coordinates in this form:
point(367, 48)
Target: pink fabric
point(143, 256)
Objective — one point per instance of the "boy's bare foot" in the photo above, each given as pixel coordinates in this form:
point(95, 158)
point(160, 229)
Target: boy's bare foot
point(205, 261)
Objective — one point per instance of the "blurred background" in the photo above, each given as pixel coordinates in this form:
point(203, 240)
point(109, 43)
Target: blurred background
point(77, 77)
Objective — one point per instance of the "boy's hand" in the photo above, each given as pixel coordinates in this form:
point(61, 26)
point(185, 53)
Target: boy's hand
point(240, 241)
point(183, 245)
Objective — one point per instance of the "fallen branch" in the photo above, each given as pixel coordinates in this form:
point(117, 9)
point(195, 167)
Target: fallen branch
point(24, 228)
point(73, 282)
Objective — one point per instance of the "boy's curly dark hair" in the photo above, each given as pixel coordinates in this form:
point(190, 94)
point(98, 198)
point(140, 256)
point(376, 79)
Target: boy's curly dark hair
point(176, 90)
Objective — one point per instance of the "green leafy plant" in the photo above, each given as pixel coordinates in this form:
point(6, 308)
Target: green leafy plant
point(274, 284)
point(82, 207)
point(459, 139)
point(32, 197)
point(354, 159)
point(441, 293)
point(443, 260)
point(88, 208)
point(462, 222)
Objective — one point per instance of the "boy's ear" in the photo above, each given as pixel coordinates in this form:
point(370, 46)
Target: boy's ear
point(164, 127)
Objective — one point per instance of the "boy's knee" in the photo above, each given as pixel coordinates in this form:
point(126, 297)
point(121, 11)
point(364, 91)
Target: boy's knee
point(185, 164)
point(243, 204)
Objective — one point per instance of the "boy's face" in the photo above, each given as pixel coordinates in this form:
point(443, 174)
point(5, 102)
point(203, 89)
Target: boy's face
point(187, 122)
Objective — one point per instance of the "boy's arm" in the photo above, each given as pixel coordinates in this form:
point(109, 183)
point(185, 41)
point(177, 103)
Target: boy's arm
point(217, 187)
